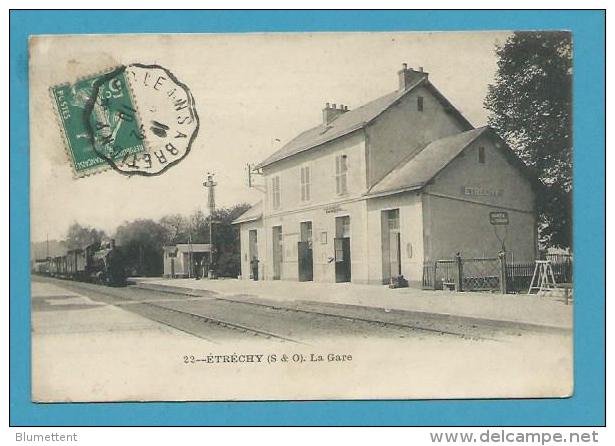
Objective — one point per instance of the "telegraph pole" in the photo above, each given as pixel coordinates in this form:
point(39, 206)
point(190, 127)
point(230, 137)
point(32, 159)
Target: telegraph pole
point(210, 184)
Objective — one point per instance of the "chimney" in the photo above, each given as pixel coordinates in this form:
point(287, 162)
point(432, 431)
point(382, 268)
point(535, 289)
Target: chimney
point(408, 76)
point(331, 112)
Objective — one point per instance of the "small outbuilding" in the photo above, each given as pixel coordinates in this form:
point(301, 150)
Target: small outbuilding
point(186, 260)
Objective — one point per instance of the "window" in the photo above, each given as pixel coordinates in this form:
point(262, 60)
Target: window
point(341, 169)
point(481, 155)
point(305, 228)
point(275, 192)
point(342, 226)
point(419, 103)
point(305, 183)
point(393, 218)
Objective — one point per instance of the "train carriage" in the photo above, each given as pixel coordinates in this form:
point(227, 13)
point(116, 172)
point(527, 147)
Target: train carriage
point(76, 264)
point(102, 263)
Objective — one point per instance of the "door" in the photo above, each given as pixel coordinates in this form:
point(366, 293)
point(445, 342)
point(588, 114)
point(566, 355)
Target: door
point(342, 259)
point(342, 249)
point(395, 251)
point(391, 245)
point(305, 255)
point(277, 252)
point(253, 253)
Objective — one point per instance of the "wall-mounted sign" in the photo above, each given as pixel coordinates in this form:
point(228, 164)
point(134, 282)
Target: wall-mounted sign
point(498, 218)
point(333, 209)
point(481, 191)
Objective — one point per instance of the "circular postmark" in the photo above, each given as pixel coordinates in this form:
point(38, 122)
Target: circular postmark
point(141, 119)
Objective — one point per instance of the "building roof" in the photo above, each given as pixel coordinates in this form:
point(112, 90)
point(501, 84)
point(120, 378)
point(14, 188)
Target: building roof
point(353, 120)
point(255, 212)
point(417, 170)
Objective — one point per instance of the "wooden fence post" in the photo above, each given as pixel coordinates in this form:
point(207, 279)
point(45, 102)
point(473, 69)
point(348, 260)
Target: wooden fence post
point(503, 276)
point(459, 278)
point(435, 275)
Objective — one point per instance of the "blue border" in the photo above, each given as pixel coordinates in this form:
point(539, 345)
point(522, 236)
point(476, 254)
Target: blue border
point(587, 407)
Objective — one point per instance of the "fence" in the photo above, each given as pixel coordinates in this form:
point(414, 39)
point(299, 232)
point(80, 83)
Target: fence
point(464, 274)
point(485, 274)
point(519, 275)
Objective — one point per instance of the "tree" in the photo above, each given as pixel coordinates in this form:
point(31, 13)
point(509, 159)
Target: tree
point(530, 104)
point(176, 229)
point(78, 236)
point(198, 227)
point(227, 255)
point(142, 241)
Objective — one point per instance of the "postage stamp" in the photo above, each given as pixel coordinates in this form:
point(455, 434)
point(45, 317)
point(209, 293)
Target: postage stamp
point(137, 119)
point(72, 101)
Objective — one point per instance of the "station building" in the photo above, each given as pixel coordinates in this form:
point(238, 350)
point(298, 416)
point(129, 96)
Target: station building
point(383, 189)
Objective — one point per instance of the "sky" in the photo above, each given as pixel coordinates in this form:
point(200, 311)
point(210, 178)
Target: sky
point(253, 93)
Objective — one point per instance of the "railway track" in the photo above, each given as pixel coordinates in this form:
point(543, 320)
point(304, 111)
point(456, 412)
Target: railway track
point(349, 318)
point(360, 319)
point(226, 324)
point(202, 320)
point(112, 298)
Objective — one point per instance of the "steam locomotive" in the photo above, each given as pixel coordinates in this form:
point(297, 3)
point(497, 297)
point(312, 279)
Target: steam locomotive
point(101, 263)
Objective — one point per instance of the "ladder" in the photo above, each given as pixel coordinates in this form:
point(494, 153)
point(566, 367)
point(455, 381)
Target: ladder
point(543, 279)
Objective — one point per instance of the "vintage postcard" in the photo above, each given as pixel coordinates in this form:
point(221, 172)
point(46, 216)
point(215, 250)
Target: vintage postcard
point(301, 216)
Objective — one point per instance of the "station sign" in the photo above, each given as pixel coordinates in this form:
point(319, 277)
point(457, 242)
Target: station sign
point(498, 218)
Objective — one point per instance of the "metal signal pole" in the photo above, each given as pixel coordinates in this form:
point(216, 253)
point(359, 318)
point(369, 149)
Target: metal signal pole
point(210, 184)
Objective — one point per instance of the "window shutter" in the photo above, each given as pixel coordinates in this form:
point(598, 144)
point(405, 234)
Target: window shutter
point(302, 184)
point(337, 174)
point(307, 183)
point(275, 191)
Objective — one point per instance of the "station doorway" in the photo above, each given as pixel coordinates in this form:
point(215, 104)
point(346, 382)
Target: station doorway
point(343, 268)
point(305, 254)
point(253, 253)
point(391, 245)
point(277, 252)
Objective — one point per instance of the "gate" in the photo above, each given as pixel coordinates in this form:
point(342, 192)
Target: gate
point(481, 274)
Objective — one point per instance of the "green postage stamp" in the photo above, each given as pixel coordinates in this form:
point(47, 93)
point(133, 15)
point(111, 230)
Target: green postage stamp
point(112, 112)
point(104, 127)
